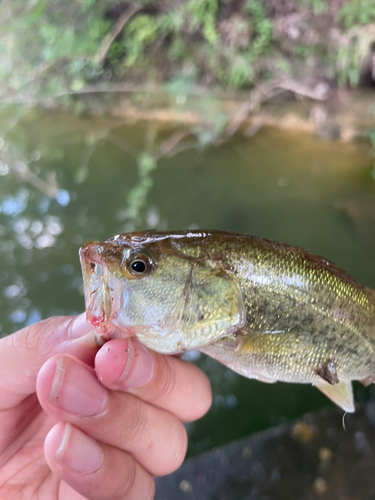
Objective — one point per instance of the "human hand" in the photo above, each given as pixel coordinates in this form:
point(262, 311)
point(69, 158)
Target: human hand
point(102, 440)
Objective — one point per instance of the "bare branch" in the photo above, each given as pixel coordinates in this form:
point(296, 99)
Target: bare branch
point(319, 93)
point(166, 149)
point(257, 97)
point(122, 144)
point(89, 153)
point(22, 170)
point(107, 41)
point(14, 121)
point(255, 126)
point(266, 92)
point(183, 147)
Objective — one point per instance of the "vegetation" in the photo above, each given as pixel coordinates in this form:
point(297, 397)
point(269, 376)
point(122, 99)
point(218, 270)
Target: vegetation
point(356, 12)
point(52, 48)
point(49, 48)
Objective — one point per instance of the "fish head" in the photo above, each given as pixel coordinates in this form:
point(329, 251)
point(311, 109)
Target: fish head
point(153, 287)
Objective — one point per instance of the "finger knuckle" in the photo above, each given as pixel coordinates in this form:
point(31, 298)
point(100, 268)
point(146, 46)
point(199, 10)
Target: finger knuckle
point(130, 480)
point(177, 450)
point(135, 481)
point(205, 400)
point(36, 337)
point(133, 426)
point(165, 381)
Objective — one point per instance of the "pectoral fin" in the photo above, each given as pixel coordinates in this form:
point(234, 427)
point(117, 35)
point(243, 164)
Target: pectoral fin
point(341, 394)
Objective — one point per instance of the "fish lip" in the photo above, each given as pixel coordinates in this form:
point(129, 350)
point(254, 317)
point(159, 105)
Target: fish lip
point(96, 291)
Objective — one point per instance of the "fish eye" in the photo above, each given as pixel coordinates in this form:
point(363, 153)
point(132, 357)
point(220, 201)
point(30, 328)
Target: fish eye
point(140, 264)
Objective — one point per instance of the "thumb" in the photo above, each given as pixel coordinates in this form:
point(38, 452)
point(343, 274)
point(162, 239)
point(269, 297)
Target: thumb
point(23, 353)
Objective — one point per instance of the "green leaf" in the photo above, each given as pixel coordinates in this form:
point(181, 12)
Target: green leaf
point(146, 164)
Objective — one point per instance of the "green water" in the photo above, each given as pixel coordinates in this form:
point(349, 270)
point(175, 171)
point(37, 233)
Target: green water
point(284, 186)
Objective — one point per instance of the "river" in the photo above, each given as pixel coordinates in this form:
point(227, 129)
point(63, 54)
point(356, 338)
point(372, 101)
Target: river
point(66, 179)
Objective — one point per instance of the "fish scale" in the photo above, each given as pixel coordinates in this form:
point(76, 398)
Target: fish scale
point(267, 310)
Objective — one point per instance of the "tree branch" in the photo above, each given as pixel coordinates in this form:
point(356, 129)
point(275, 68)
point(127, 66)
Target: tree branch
point(168, 146)
point(107, 41)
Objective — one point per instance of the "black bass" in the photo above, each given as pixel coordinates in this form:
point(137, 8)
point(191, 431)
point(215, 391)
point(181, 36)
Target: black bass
point(266, 310)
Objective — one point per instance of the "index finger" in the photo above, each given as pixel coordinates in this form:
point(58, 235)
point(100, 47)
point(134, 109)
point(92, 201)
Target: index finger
point(23, 353)
point(164, 381)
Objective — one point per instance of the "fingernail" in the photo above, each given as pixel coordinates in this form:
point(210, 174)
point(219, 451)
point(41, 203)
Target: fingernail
point(78, 451)
point(138, 367)
point(80, 327)
point(76, 389)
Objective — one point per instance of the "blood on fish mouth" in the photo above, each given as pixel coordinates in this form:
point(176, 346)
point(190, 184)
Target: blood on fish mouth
point(96, 293)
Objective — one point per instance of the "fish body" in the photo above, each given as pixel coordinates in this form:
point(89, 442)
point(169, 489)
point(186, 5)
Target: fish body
point(266, 310)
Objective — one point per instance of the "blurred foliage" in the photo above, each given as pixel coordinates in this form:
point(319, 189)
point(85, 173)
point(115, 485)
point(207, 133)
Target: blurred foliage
point(49, 43)
point(52, 47)
point(356, 12)
point(371, 136)
point(355, 54)
point(204, 14)
point(318, 6)
point(142, 32)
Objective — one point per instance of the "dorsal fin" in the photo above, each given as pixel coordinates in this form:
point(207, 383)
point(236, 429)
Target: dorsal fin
point(341, 394)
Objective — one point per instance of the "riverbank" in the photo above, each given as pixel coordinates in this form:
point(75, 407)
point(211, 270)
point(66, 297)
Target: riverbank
point(344, 115)
point(236, 64)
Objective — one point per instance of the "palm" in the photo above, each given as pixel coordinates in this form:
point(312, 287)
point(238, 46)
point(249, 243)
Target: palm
point(24, 471)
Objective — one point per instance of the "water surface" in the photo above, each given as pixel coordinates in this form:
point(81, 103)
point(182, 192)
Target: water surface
point(289, 187)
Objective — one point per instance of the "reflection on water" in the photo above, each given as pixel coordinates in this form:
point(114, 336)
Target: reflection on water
point(65, 180)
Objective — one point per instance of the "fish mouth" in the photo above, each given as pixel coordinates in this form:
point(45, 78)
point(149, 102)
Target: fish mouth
point(100, 287)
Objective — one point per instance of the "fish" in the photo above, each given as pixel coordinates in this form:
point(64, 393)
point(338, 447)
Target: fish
point(268, 311)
